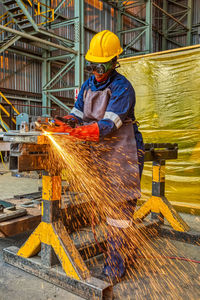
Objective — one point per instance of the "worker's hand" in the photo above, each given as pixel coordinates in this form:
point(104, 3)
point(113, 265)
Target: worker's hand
point(59, 126)
point(88, 132)
point(68, 120)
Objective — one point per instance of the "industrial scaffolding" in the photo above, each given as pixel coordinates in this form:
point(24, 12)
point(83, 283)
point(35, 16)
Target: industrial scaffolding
point(56, 34)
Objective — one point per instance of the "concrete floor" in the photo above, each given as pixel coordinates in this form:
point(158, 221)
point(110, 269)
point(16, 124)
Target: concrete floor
point(176, 280)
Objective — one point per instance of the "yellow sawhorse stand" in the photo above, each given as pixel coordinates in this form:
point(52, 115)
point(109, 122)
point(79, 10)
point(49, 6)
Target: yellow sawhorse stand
point(158, 204)
point(55, 244)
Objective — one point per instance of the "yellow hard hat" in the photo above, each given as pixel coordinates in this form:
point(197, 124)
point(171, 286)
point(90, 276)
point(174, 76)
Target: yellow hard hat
point(103, 47)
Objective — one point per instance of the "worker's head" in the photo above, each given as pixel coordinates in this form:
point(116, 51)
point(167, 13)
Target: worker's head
point(102, 54)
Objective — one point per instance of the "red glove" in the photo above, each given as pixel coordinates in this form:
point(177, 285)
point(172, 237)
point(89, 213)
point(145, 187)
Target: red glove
point(87, 132)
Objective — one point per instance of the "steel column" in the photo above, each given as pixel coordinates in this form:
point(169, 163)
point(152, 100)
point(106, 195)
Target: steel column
point(79, 42)
point(120, 26)
point(148, 37)
point(189, 23)
point(46, 73)
point(164, 27)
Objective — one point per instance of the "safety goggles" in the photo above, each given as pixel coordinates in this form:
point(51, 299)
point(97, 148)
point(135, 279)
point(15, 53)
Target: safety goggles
point(97, 67)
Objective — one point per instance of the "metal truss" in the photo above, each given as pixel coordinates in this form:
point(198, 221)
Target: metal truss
point(176, 23)
point(142, 18)
point(26, 25)
point(137, 22)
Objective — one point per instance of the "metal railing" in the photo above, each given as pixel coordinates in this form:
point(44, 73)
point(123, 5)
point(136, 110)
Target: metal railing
point(6, 112)
point(41, 10)
point(3, 18)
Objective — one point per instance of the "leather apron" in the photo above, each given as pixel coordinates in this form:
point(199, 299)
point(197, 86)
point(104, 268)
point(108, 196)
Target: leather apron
point(115, 154)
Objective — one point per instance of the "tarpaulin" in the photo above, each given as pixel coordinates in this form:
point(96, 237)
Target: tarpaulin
point(167, 87)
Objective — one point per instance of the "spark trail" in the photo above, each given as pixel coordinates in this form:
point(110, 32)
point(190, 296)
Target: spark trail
point(150, 274)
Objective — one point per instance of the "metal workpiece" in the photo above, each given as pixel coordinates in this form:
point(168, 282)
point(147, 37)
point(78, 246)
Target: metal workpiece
point(29, 137)
point(29, 151)
point(28, 157)
point(15, 136)
point(90, 288)
point(9, 213)
point(160, 151)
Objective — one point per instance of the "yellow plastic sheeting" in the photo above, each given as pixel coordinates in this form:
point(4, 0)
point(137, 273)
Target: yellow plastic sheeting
point(168, 108)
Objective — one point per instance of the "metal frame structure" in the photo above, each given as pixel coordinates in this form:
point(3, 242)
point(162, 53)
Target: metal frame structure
point(137, 22)
point(171, 25)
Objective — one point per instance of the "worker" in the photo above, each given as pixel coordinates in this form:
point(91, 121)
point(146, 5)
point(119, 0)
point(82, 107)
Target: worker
point(104, 112)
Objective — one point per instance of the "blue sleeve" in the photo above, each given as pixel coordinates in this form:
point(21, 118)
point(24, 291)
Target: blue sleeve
point(77, 110)
point(120, 106)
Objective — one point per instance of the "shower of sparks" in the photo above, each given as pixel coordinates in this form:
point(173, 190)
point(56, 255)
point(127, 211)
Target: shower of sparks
point(149, 272)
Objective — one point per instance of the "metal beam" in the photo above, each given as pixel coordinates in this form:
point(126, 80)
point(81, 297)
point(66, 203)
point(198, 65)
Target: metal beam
point(36, 39)
point(176, 24)
point(133, 29)
point(36, 57)
point(55, 36)
point(79, 42)
point(59, 103)
point(9, 43)
point(46, 73)
point(189, 23)
point(169, 15)
point(164, 26)
point(60, 57)
point(25, 11)
point(60, 74)
point(70, 88)
point(63, 23)
point(134, 18)
point(148, 37)
point(61, 3)
point(178, 4)
point(120, 26)
point(134, 40)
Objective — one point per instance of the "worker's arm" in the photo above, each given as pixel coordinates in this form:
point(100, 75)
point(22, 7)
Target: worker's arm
point(122, 101)
point(76, 114)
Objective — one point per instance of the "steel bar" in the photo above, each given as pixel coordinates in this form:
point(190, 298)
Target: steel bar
point(173, 41)
point(64, 23)
point(59, 103)
point(36, 39)
point(134, 40)
point(69, 66)
point(70, 88)
point(55, 36)
point(61, 3)
point(79, 42)
point(178, 4)
point(62, 71)
point(169, 15)
point(133, 29)
point(36, 57)
point(9, 43)
point(12, 213)
point(119, 25)
point(164, 26)
point(175, 24)
point(25, 11)
point(191, 236)
point(189, 23)
point(134, 18)
point(60, 57)
point(148, 36)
